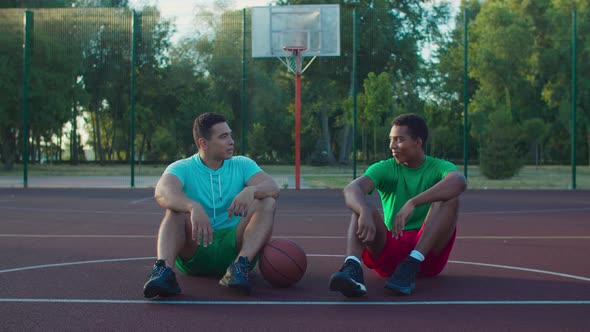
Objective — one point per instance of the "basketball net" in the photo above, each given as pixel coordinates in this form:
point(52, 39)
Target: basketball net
point(294, 62)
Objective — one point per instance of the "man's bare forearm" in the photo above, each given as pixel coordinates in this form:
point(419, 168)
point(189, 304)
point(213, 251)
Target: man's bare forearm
point(355, 199)
point(169, 196)
point(268, 188)
point(449, 187)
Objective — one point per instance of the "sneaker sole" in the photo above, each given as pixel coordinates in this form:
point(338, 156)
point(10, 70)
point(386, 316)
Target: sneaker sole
point(245, 289)
point(153, 291)
point(407, 290)
point(340, 282)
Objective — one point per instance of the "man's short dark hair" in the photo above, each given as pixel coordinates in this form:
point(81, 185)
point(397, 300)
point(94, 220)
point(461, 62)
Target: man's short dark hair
point(203, 123)
point(416, 126)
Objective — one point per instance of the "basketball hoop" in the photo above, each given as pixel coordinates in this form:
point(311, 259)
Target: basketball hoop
point(289, 33)
point(294, 61)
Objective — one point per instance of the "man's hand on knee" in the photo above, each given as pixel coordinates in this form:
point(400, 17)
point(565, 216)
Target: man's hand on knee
point(242, 203)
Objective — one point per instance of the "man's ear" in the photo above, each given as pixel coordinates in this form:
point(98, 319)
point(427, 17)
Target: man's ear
point(202, 143)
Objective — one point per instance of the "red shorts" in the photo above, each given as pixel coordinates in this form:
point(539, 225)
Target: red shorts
point(396, 251)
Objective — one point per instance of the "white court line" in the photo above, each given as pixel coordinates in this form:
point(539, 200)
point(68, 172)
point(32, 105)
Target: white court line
point(79, 211)
point(508, 267)
point(527, 211)
point(311, 237)
point(374, 303)
point(288, 213)
point(141, 200)
point(98, 261)
point(99, 236)
point(565, 275)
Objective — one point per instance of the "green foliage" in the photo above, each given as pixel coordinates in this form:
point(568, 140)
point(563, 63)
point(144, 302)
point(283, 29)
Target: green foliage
point(164, 146)
point(519, 69)
point(500, 157)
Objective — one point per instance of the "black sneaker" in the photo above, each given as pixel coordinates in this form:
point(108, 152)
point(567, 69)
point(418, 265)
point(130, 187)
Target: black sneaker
point(403, 280)
point(237, 275)
point(162, 281)
point(349, 280)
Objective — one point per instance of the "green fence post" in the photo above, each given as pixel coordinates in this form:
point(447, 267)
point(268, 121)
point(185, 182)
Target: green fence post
point(574, 46)
point(28, 28)
point(134, 34)
point(243, 81)
point(465, 91)
point(354, 93)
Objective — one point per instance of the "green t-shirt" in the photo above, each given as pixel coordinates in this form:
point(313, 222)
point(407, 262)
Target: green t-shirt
point(397, 184)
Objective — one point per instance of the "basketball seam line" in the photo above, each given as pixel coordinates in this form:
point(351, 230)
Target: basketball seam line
point(277, 271)
point(292, 260)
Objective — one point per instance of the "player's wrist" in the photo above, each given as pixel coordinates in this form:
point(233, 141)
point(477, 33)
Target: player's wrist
point(251, 191)
point(194, 207)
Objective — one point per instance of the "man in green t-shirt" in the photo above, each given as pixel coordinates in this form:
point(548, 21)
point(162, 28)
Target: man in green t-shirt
point(415, 233)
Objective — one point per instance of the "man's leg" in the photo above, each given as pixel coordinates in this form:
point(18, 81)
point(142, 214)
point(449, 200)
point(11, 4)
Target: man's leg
point(354, 245)
point(439, 226)
point(349, 279)
point(254, 233)
point(251, 235)
point(174, 238)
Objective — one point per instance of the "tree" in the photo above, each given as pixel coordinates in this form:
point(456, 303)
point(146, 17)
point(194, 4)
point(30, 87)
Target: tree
point(446, 109)
point(10, 83)
point(390, 34)
point(500, 157)
point(535, 132)
point(378, 106)
point(555, 70)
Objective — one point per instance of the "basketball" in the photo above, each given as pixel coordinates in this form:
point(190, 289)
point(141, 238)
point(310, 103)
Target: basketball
point(282, 262)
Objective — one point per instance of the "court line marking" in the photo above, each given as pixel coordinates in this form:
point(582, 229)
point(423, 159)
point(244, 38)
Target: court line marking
point(374, 303)
point(80, 211)
point(141, 200)
point(527, 211)
point(507, 267)
point(97, 261)
point(318, 237)
point(337, 213)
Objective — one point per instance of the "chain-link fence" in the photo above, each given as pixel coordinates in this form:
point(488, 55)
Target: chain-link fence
point(115, 87)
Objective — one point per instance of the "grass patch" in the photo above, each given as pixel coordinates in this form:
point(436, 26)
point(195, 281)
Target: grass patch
point(530, 177)
point(85, 170)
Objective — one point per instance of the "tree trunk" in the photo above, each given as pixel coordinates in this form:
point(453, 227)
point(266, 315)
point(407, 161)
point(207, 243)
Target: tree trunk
point(141, 147)
point(58, 147)
point(97, 139)
point(364, 144)
point(37, 149)
point(74, 156)
point(8, 148)
point(344, 146)
point(375, 142)
point(326, 134)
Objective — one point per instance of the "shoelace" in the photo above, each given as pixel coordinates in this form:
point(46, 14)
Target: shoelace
point(351, 270)
point(242, 268)
point(158, 270)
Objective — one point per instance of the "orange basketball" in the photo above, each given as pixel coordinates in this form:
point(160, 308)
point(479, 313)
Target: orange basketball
point(282, 262)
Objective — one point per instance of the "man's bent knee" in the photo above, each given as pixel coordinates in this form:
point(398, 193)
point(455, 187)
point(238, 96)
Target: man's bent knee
point(452, 203)
point(175, 217)
point(266, 205)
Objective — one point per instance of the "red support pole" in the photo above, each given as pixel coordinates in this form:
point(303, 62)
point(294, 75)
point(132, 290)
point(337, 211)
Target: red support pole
point(298, 122)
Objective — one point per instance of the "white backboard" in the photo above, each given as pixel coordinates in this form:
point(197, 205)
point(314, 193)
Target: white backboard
point(315, 28)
